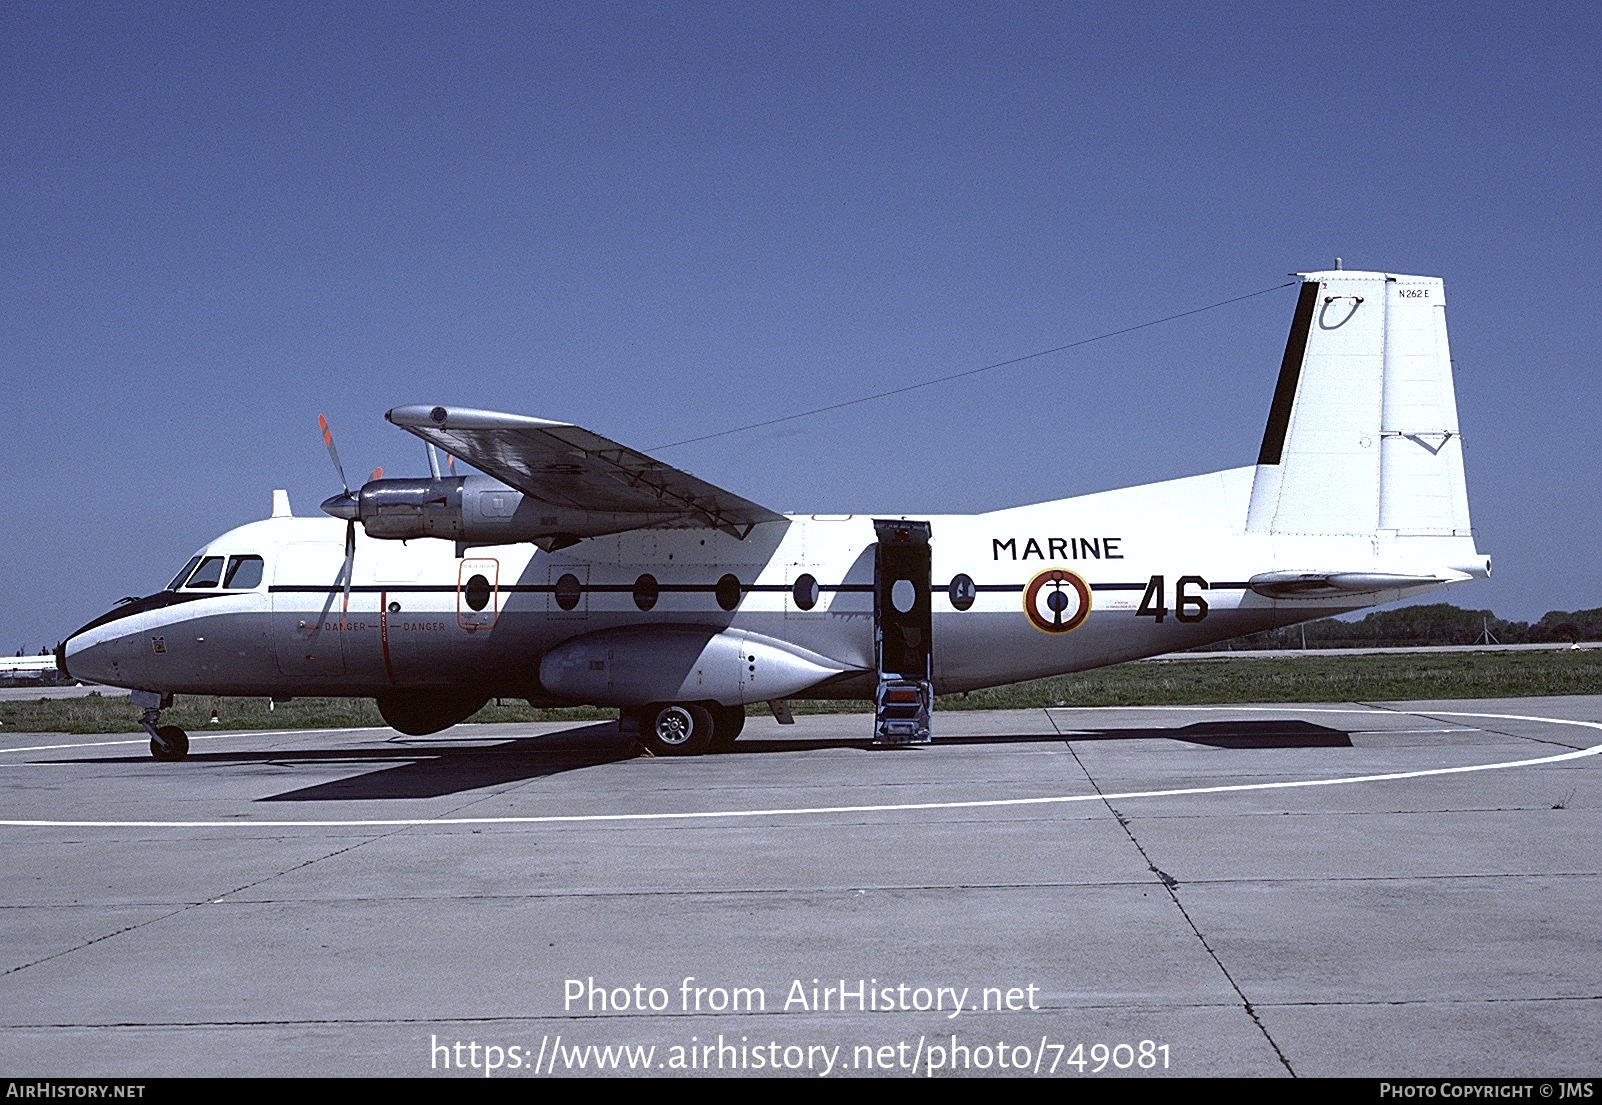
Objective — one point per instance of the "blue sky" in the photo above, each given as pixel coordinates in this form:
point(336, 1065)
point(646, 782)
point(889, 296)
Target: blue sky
point(665, 220)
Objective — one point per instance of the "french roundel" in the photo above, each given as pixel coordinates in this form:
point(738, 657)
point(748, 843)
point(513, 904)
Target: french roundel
point(1057, 601)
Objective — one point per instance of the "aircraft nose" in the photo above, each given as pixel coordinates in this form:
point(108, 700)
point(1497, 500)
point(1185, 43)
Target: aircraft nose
point(97, 654)
point(82, 660)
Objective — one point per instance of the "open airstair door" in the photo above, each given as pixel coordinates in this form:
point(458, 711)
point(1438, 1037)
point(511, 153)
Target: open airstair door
point(901, 622)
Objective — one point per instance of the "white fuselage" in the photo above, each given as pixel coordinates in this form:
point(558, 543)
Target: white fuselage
point(1165, 567)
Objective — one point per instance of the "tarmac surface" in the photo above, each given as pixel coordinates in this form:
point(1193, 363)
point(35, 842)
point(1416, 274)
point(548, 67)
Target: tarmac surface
point(1402, 889)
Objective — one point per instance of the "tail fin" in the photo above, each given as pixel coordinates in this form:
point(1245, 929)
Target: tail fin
point(1362, 437)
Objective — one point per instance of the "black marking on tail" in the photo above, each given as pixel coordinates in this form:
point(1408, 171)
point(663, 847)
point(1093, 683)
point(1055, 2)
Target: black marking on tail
point(1290, 372)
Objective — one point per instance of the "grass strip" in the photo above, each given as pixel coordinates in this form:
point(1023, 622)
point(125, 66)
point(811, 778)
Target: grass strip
point(1323, 677)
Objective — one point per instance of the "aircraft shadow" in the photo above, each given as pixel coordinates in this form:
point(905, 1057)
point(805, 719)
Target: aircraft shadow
point(424, 768)
point(1231, 734)
point(433, 770)
point(1215, 734)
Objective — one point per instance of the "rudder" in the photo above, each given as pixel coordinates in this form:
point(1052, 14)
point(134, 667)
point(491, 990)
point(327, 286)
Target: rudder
point(1362, 436)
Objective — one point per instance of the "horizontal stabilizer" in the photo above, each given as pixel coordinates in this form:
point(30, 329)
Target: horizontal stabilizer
point(1309, 585)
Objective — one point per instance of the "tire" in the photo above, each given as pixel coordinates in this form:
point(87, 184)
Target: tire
point(676, 729)
point(727, 722)
point(177, 746)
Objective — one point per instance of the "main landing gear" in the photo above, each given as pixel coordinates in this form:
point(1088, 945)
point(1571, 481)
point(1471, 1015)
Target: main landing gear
point(168, 743)
point(688, 728)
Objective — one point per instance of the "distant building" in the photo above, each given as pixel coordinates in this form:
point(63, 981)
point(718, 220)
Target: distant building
point(29, 669)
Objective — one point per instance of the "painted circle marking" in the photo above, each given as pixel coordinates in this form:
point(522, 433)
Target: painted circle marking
point(1057, 601)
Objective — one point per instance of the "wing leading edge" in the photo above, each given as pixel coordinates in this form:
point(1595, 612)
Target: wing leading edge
point(582, 473)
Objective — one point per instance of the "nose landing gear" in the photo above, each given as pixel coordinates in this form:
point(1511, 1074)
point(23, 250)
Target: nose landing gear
point(168, 743)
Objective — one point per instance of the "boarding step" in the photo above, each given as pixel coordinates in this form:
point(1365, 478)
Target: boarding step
point(901, 711)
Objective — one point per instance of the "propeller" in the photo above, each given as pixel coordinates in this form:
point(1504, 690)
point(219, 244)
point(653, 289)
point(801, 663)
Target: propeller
point(344, 505)
point(348, 504)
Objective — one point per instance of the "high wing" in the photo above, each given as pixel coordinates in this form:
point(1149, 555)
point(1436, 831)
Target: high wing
point(581, 474)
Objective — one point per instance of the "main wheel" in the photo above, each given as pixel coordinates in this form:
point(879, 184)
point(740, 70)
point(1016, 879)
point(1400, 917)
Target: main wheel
point(173, 745)
point(676, 729)
point(727, 721)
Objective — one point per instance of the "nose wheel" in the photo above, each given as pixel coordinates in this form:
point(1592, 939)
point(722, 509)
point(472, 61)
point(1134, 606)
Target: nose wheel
point(168, 743)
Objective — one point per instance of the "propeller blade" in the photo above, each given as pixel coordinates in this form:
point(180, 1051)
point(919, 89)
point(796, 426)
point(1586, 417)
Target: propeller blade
point(350, 568)
point(378, 474)
point(328, 440)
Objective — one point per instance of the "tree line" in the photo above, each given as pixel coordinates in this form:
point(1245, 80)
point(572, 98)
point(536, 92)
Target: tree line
point(1434, 624)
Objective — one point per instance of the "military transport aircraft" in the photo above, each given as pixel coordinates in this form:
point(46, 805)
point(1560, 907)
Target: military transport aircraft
point(578, 571)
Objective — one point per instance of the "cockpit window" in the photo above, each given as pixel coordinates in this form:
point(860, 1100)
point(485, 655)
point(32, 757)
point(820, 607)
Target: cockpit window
point(178, 580)
point(209, 574)
point(244, 572)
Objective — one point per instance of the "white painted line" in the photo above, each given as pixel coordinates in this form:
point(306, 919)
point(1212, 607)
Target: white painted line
point(193, 737)
point(900, 807)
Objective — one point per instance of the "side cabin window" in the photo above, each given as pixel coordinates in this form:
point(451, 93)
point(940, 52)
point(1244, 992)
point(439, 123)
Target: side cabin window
point(234, 573)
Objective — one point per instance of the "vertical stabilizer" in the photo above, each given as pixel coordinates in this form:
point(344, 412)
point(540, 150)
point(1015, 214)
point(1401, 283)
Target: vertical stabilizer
point(1362, 437)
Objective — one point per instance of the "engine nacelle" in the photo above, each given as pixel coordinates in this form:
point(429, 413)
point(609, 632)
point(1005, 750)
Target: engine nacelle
point(399, 510)
point(474, 510)
point(637, 665)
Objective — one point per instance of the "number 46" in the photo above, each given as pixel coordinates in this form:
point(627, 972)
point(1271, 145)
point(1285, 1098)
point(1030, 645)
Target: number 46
point(1188, 606)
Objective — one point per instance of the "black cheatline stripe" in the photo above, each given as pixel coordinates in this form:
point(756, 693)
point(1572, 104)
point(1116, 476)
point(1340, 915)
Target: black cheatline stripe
point(786, 588)
point(159, 601)
point(1290, 371)
point(628, 589)
point(1213, 586)
point(381, 588)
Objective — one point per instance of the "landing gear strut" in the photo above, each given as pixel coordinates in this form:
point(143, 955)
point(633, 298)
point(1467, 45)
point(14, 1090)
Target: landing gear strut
point(168, 743)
